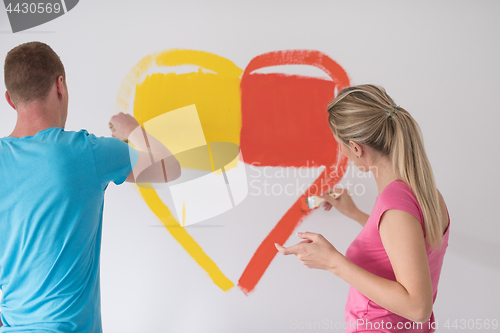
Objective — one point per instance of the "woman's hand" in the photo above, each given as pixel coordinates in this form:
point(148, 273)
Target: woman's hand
point(344, 204)
point(314, 252)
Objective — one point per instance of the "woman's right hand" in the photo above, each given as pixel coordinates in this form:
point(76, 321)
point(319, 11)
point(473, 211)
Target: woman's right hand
point(343, 203)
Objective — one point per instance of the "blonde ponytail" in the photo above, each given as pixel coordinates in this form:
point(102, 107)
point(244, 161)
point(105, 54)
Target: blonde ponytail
point(366, 115)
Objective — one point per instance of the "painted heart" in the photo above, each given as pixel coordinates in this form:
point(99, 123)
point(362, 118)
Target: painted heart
point(278, 120)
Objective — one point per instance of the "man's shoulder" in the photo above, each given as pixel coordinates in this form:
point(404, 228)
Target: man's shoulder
point(82, 133)
point(81, 136)
point(59, 133)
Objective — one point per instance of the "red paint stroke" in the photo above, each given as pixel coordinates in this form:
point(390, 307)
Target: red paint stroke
point(284, 117)
point(280, 234)
point(301, 57)
point(284, 123)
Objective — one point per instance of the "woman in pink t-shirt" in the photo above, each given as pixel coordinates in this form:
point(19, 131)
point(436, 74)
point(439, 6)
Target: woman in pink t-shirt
point(393, 265)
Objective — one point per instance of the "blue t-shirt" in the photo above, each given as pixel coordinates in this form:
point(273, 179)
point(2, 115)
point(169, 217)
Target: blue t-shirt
point(51, 200)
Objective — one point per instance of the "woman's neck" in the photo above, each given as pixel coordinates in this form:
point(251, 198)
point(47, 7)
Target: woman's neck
point(383, 173)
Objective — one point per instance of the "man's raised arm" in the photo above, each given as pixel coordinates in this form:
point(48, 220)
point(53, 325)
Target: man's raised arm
point(155, 164)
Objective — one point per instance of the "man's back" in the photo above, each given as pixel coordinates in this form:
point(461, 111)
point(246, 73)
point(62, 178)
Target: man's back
point(51, 195)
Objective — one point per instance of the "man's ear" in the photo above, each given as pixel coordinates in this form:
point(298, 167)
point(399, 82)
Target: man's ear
point(9, 100)
point(61, 87)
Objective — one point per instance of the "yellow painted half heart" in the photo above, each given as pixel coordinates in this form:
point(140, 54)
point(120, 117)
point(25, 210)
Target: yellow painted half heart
point(153, 88)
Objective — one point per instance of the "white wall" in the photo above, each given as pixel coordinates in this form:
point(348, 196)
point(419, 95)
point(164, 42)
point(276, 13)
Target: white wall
point(438, 59)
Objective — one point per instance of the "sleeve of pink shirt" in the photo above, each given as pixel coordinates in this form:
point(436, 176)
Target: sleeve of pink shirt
point(398, 195)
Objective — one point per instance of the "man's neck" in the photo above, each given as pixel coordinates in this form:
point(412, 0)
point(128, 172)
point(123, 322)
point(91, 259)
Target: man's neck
point(33, 119)
point(21, 131)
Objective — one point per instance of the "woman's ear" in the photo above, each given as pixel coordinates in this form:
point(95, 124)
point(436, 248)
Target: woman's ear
point(356, 148)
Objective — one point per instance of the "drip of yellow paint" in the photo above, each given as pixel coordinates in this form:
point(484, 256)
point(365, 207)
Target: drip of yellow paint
point(183, 214)
point(210, 154)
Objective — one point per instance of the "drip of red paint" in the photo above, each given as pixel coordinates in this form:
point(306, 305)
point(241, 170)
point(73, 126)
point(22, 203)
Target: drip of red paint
point(284, 123)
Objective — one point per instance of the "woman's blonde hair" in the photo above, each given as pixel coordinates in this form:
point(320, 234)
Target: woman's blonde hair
point(365, 114)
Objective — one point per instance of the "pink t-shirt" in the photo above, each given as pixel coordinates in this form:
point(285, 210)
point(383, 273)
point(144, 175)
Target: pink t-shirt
point(367, 251)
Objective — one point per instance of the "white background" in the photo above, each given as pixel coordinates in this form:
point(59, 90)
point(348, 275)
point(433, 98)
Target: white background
point(438, 59)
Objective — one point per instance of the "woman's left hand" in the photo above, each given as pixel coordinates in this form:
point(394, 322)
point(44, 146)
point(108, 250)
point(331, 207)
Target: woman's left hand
point(314, 252)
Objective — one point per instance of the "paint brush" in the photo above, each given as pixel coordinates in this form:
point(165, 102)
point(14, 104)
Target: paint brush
point(314, 201)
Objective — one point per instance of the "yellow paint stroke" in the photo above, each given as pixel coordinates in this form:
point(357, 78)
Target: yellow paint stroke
point(181, 131)
point(181, 235)
point(210, 61)
point(215, 90)
point(216, 95)
point(125, 90)
point(211, 157)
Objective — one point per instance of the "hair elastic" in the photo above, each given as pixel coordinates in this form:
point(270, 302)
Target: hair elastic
point(391, 110)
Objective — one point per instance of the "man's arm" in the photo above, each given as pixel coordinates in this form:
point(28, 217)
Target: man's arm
point(156, 164)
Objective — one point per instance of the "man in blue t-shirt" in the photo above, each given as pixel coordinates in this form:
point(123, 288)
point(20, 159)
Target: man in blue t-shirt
point(52, 195)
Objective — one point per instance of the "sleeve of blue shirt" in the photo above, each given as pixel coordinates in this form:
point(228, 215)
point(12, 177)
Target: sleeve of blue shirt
point(114, 159)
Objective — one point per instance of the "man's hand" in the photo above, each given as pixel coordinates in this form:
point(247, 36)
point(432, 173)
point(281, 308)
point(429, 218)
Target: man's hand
point(155, 164)
point(122, 125)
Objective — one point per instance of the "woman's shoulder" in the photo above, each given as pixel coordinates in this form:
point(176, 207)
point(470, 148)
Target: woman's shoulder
point(397, 189)
point(398, 195)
